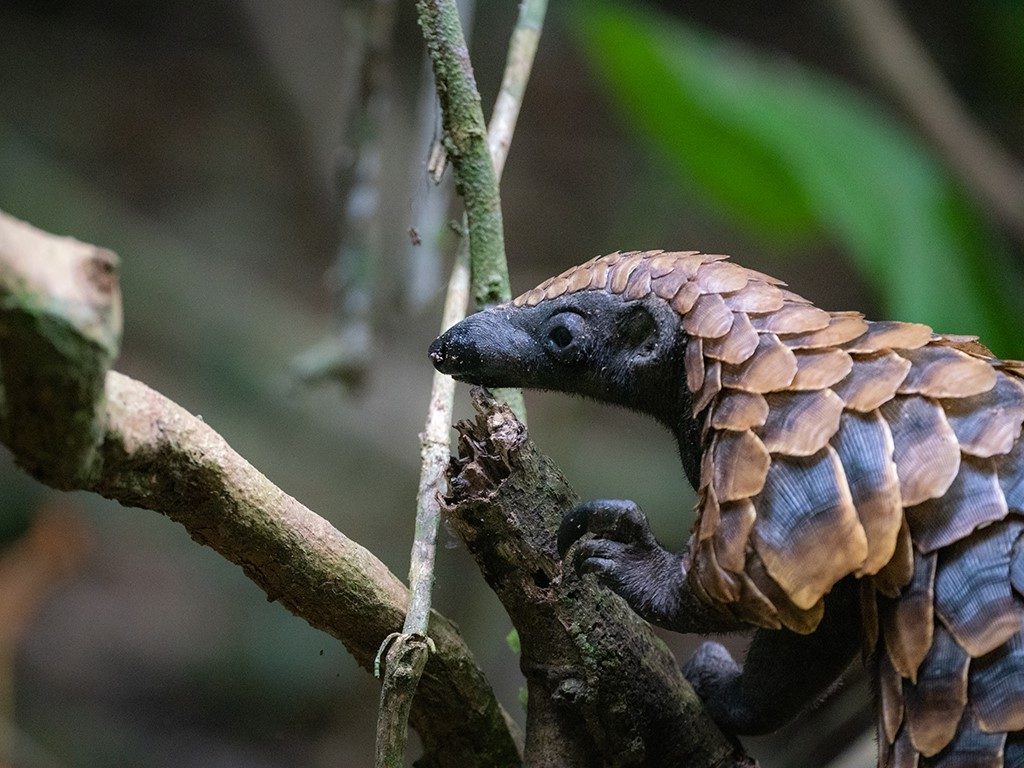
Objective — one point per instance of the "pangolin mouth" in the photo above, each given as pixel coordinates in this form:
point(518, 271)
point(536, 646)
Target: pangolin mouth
point(485, 348)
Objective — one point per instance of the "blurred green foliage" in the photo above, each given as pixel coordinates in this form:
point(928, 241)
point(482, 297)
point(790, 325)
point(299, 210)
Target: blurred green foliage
point(787, 154)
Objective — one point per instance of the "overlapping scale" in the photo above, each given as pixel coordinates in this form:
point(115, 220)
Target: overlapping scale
point(710, 388)
point(793, 298)
point(972, 500)
point(579, 278)
point(926, 451)
point(970, 344)
point(890, 694)
point(841, 328)
point(720, 586)
point(832, 443)
point(709, 318)
point(674, 261)
point(872, 380)
point(735, 522)
point(907, 625)
point(740, 463)
point(772, 367)
point(556, 288)
point(599, 275)
point(897, 573)
point(942, 372)
point(639, 284)
point(721, 277)
point(531, 298)
point(800, 619)
point(737, 345)
point(973, 597)
point(865, 447)
point(971, 747)
point(753, 606)
point(997, 687)
point(1010, 469)
point(792, 318)
point(693, 361)
point(935, 703)
point(667, 285)
point(685, 298)
point(886, 335)
point(903, 754)
point(807, 531)
point(817, 369)
point(800, 423)
point(621, 272)
point(738, 410)
point(757, 297)
point(990, 423)
point(1014, 367)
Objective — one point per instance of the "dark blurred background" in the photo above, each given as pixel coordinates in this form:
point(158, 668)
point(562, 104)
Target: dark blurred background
point(260, 169)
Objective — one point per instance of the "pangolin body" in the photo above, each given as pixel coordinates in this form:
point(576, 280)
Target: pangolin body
point(831, 448)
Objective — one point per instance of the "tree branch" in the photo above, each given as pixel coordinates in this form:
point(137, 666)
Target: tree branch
point(603, 689)
point(466, 143)
point(902, 65)
point(72, 424)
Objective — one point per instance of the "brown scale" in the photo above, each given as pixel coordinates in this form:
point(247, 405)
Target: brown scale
point(838, 446)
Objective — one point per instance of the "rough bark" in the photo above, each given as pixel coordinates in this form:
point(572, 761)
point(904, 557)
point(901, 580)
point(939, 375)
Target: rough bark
point(74, 425)
point(603, 689)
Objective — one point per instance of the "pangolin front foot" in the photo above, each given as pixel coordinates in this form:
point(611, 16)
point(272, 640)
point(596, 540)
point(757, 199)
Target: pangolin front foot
point(624, 556)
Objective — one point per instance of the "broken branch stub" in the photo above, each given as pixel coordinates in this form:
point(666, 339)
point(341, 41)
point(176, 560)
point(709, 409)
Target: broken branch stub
point(60, 328)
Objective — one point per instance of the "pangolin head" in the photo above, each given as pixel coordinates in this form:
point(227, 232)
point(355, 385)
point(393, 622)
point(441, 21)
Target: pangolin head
point(610, 329)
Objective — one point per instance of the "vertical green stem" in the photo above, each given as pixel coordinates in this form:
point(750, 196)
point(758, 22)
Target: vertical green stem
point(466, 143)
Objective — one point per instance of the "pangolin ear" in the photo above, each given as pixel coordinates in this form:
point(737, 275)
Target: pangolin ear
point(637, 326)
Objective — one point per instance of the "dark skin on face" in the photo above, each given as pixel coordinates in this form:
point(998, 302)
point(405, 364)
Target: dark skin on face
point(630, 353)
point(598, 345)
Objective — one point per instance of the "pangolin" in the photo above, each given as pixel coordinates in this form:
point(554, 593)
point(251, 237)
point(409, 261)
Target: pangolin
point(860, 486)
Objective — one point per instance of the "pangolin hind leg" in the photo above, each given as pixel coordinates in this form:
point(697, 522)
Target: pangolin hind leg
point(625, 557)
point(784, 672)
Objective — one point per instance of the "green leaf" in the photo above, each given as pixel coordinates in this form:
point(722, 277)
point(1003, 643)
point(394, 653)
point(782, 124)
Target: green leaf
point(786, 153)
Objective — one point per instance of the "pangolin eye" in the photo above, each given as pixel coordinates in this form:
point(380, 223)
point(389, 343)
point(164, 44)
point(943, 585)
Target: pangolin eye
point(560, 336)
point(564, 334)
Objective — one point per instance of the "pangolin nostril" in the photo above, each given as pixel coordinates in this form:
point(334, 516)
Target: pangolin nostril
point(437, 350)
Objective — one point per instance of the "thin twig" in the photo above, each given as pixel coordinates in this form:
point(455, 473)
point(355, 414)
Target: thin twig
point(902, 65)
point(406, 656)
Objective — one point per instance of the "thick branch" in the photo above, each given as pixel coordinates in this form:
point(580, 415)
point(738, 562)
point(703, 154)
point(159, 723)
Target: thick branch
point(603, 690)
point(151, 453)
